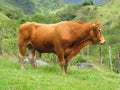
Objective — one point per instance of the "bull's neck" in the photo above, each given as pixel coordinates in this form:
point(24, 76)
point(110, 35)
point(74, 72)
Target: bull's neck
point(84, 42)
point(80, 35)
point(84, 38)
point(81, 31)
point(79, 46)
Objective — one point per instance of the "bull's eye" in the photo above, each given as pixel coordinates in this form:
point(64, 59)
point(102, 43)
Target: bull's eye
point(100, 31)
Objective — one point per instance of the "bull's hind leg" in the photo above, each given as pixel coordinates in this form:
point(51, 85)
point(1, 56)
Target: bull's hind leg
point(21, 55)
point(32, 58)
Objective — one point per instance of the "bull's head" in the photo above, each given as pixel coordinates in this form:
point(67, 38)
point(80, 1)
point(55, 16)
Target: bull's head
point(96, 33)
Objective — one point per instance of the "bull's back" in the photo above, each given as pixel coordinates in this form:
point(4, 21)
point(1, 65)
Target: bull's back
point(49, 33)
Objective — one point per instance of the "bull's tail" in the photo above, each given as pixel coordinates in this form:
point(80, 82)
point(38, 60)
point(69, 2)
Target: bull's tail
point(24, 36)
point(29, 46)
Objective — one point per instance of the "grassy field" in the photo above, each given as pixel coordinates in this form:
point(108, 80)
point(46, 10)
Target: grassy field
point(50, 78)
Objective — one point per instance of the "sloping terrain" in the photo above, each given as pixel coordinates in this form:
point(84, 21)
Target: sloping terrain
point(10, 11)
point(50, 78)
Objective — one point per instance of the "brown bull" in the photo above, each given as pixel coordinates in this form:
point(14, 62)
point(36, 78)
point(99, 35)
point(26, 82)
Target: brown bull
point(65, 39)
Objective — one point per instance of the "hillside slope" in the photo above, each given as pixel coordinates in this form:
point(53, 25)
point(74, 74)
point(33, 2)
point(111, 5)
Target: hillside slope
point(46, 6)
point(26, 5)
point(37, 6)
point(10, 11)
point(50, 78)
point(43, 6)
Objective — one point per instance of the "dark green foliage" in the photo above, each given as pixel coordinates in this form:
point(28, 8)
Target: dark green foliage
point(53, 19)
point(45, 19)
point(26, 5)
point(38, 18)
point(47, 6)
point(87, 2)
point(14, 14)
point(10, 11)
point(68, 13)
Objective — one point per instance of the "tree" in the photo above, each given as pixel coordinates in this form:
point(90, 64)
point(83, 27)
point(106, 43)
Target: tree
point(39, 18)
point(87, 2)
point(68, 13)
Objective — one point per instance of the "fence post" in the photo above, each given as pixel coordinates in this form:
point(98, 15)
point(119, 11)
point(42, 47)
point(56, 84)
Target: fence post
point(101, 57)
point(2, 31)
point(110, 57)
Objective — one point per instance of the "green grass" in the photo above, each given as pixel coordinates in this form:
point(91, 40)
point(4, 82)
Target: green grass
point(50, 78)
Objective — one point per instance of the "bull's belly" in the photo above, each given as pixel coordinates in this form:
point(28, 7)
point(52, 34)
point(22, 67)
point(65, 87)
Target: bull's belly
point(43, 47)
point(45, 50)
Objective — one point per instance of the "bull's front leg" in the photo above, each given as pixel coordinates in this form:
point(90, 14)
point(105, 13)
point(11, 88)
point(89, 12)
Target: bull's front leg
point(62, 61)
point(62, 65)
point(71, 52)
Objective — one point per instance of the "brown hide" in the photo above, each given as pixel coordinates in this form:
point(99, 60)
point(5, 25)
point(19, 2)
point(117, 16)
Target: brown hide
point(65, 39)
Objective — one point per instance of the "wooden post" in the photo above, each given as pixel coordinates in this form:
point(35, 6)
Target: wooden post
point(101, 57)
point(0, 45)
point(1, 37)
point(0, 50)
point(110, 57)
point(2, 31)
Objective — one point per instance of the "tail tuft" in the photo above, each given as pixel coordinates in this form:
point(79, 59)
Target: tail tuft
point(29, 46)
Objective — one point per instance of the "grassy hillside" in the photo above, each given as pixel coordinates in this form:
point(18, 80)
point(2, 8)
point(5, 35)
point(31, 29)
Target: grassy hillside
point(26, 5)
point(50, 78)
point(10, 10)
point(3, 17)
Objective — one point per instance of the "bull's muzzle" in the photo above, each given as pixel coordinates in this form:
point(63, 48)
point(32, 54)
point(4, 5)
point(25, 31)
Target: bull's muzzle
point(102, 42)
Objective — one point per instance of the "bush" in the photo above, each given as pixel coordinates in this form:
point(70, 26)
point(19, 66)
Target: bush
point(9, 46)
point(38, 18)
point(68, 13)
point(87, 2)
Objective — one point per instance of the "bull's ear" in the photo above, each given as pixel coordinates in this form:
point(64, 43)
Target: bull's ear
point(96, 25)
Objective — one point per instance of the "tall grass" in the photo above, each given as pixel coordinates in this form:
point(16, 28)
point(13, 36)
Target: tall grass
point(50, 78)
